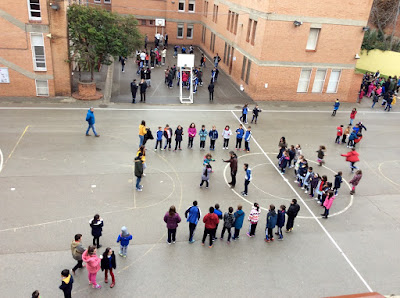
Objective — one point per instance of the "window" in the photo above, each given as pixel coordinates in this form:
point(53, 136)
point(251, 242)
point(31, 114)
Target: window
point(253, 33)
point(304, 80)
point(243, 67)
point(97, 1)
point(39, 58)
point(181, 5)
point(205, 8)
point(334, 79)
point(249, 30)
point(42, 88)
point(319, 81)
point(235, 24)
point(212, 42)
point(180, 31)
point(189, 32)
point(203, 34)
point(151, 22)
point(215, 13)
point(248, 71)
point(143, 22)
point(229, 20)
point(34, 10)
point(107, 1)
point(313, 39)
point(191, 5)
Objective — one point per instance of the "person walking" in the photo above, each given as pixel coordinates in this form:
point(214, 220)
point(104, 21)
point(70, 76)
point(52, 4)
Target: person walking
point(272, 219)
point(247, 179)
point(124, 239)
point(91, 120)
point(354, 181)
point(205, 175)
point(123, 62)
point(292, 212)
point(254, 216)
point(239, 218)
point(134, 88)
point(216, 60)
point(108, 263)
point(211, 90)
point(352, 158)
point(280, 221)
point(172, 219)
point(77, 250)
point(233, 165)
point(139, 171)
point(352, 116)
point(336, 107)
point(97, 227)
point(192, 215)
point(143, 88)
point(92, 261)
point(142, 132)
point(203, 136)
point(245, 110)
point(211, 221)
point(229, 221)
point(66, 283)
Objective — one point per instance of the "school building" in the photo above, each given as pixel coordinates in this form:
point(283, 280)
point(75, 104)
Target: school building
point(278, 50)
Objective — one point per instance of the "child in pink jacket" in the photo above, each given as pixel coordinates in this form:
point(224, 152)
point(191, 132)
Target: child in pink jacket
point(328, 203)
point(92, 264)
point(191, 133)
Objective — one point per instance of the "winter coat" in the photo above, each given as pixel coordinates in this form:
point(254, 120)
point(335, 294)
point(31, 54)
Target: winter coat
point(283, 161)
point(232, 163)
point(336, 105)
point(166, 133)
point(159, 135)
point(356, 179)
point(218, 213)
point(90, 117)
point(353, 136)
point(211, 220)
point(314, 181)
point(143, 87)
point(138, 167)
point(272, 218)
point(351, 156)
point(172, 221)
point(226, 134)
point(321, 154)
point(338, 181)
point(353, 114)
point(247, 136)
point(213, 134)
point(124, 237)
point(205, 174)
point(229, 220)
point(66, 285)
point(280, 222)
point(339, 131)
point(239, 133)
point(193, 214)
point(142, 130)
point(328, 202)
point(178, 134)
point(293, 210)
point(254, 215)
point(92, 262)
point(77, 250)
point(203, 134)
point(97, 227)
point(256, 111)
point(192, 131)
point(108, 262)
point(239, 217)
point(211, 88)
point(134, 88)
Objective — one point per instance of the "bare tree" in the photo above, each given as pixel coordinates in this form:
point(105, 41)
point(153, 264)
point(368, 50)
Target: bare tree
point(384, 13)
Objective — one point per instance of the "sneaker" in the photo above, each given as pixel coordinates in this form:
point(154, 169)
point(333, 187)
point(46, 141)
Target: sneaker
point(192, 241)
point(124, 256)
point(112, 285)
point(276, 233)
point(155, 149)
point(267, 240)
point(245, 195)
point(221, 238)
point(228, 242)
point(280, 238)
point(121, 254)
point(106, 281)
point(272, 239)
point(306, 191)
point(248, 234)
point(88, 135)
point(162, 149)
point(302, 187)
point(202, 243)
point(141, 186)
point(139, 189)
point(169, 243)
point(97, 137)
point(210, 246)
point(173, 241)
point(206, 186)
point(144, 175)
point(97, 286)
point(295, 181)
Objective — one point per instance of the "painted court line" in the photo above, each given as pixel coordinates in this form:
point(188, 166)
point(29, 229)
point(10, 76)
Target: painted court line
point(309, 210)
point(16, 145)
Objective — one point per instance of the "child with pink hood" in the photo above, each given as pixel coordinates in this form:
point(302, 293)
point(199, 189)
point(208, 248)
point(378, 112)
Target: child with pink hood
point(92, 264)
point(328, 203)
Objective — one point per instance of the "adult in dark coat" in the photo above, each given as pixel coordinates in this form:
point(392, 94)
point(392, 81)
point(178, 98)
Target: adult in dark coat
point(292, 213)
point(143, 87)
point(211, 90)
point(134, 88)
point(233, 165)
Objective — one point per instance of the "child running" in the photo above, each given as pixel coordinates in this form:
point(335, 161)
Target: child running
point(321, 154)
point(354, 182)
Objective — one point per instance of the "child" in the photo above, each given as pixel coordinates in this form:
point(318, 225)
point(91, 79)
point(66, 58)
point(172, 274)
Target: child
point(314, 182)
point(247, 179)
point(253, 218)
point(168, 137)
point(244, 114)
point(339, 133)
point(218, 212)
point(247, 138)
point(337, 183)
point(299, 153)
point(205, 176)
point(321, 154)
point(320, 187)
point(307, 179)
point(239, 217)
point(226, 134)
point(92, 265)
point(256, 110)
point(207, 159)
point(345, 134)
point(213, 137)
point(352, 116)
point(124, 239)
point(271, 223)
point(66, 284)
point(360, 95)
point(292, 154)
point(159, 138)
point(139, 171)
point(354, 182)
point(108, 263)
point(97, 227)
point(36, 294)
point(210, 222)
point(178, 137)
point(336, 107)
point(352, 157)
point(283, 161)
point(229, 220)
point(328, 203)
point(280, 221)
point(203, 136)
point(239, 137)
point(191, 133)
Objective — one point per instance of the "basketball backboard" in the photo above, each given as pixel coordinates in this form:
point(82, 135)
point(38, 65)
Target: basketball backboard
point(185, 60)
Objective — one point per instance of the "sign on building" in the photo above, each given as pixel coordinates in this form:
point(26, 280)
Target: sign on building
point(4, 76)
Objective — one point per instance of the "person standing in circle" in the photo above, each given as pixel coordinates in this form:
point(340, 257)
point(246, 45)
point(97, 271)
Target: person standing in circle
point(97, 227)
point(142, 132)
point(172, 219)
point(239, 217)
point(193, 215)
point(233, 165)
point(211, 221)
point(92, 261)
point(247, 179)
point(292, 212)
point(192, 131)
point(253, 218)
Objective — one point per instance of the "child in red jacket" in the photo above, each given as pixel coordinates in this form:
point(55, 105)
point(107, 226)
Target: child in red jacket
point(339, 133)
point(210, 220)
point(352, 157)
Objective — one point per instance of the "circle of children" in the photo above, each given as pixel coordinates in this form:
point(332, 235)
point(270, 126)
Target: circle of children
point(310, 181)
point(147, 60)
point(374, 86)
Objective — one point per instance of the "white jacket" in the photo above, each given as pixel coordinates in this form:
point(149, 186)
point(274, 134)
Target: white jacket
point(226, 134)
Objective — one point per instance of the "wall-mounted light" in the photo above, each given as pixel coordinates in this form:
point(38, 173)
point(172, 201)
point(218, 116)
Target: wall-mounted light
point(356, 56)
point(297, 23)
point(366, 28)
point(54, 5)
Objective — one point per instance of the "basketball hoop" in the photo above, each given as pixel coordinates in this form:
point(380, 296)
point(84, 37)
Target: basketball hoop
point(160, 22)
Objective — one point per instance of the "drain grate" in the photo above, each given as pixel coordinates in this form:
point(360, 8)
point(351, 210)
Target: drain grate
point(103, 106)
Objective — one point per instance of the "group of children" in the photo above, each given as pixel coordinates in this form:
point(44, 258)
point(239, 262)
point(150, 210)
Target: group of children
point(245, 111)
point(355, 134)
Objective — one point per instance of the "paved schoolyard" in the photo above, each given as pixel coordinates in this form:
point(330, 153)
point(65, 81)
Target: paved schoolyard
point(54, 179)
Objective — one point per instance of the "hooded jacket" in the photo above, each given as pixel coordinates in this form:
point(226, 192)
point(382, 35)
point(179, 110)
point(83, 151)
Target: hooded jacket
point(229, 220)
point(124, 237)
point(356, 179)
point(108, 262)
point(138, 167)
point(338, 181)
point(193, 214)
point(90, 117)
point(172, 221)
point(239, 217)
point(272, 218)
point(351, 156)
point(210, 220)
point(281, 218)
point(203, 134)
point(66, 285)
point(92, 262)
point(328, 202)
point(254, 215)
point(97, 227)
point(77, 250)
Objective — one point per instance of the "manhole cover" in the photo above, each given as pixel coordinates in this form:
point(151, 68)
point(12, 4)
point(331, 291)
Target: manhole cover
point(238, 107)
point(103, 106)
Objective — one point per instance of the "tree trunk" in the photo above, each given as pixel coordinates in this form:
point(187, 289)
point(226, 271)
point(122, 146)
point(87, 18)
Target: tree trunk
point(394, 26)
point(92, 72)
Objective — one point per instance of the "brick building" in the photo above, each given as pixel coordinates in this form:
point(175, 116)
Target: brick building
point(34, 48)
point(278, 50)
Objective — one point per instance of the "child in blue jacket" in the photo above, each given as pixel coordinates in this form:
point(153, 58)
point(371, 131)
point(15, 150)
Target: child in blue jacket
point(239, 137)
point(160, 134)
point(272, 218)
point(247, 179)
point(280, 221)
point(245, 110)
point(247, 138)
point(213, 134)
point(124, 239)
point(203, 136)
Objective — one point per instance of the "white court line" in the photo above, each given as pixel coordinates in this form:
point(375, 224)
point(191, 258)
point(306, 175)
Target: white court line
point(309, 210)
point(1, 160)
